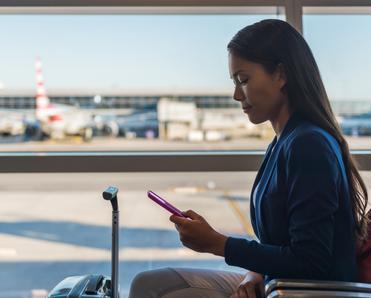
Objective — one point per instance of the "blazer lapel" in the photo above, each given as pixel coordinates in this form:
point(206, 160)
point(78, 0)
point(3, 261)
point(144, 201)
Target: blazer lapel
point(267, 170)
point(271, 164)
point(257, 179)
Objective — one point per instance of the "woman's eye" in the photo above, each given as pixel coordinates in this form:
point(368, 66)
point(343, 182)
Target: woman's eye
point(243, 82)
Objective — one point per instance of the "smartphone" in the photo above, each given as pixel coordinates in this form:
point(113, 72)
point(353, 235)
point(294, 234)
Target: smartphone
point(157, 199)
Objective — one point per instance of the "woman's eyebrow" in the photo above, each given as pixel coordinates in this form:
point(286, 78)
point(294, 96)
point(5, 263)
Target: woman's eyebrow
point(237, 72)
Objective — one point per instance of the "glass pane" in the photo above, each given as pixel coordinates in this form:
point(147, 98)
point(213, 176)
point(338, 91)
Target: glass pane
point(57, 225)
point(342, 48)
point(121, 82)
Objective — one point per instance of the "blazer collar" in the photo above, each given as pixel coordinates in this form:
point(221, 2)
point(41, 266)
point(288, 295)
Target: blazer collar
point(291, 124)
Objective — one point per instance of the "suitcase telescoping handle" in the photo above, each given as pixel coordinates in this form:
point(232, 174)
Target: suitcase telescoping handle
point(110, 194)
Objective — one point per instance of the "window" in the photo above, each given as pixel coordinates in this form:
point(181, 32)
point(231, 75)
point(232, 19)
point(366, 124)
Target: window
point(56, 224)
point(98, 71)
point(341, 47)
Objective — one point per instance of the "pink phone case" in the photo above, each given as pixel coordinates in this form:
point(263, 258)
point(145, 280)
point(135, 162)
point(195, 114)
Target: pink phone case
point(156, 198)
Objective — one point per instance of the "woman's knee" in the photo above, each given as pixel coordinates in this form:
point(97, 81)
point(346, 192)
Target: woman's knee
point(154, 283)
point(140, 283)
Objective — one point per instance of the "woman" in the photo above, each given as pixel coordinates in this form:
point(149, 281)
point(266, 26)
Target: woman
point(308, 201)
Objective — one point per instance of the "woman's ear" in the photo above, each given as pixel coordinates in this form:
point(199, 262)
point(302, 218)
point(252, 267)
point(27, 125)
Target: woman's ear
point(281, 77)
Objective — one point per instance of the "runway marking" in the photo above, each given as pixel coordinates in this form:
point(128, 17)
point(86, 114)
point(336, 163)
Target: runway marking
point(126, 255)
point(245, 222)
point(39, 293)
point(188, 190)
point(158, 254)
point(7, 252)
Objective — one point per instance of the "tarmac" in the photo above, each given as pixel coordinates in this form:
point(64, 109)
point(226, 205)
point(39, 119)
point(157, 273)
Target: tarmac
point(58, 225)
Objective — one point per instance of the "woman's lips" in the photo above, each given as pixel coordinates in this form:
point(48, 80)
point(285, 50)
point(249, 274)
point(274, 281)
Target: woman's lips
point(247, 109)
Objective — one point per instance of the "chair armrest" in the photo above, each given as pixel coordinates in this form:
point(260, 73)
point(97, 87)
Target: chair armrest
point(316, 285)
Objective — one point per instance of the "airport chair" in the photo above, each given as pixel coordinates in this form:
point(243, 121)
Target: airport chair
point(285, 288)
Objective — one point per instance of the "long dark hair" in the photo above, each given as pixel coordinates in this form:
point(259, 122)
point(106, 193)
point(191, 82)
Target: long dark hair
point(273, 42)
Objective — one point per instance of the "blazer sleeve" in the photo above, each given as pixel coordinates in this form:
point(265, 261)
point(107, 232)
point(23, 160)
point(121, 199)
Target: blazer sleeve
point(312, 175)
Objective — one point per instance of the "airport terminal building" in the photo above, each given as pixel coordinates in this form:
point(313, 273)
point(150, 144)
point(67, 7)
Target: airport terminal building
point(117, 100)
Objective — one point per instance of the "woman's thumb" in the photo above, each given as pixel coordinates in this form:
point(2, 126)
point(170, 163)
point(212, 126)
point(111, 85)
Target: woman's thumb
point(191, 214)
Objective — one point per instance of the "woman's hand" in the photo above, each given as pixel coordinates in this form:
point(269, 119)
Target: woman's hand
point(252, 286)
point(196, 234)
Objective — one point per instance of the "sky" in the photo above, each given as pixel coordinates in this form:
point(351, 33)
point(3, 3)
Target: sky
point(167, 52)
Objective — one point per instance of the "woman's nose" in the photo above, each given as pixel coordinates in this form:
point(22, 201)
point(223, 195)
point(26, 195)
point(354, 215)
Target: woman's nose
point(238, 94)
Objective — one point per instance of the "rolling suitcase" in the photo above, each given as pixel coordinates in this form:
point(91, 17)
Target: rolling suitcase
point(96, 285)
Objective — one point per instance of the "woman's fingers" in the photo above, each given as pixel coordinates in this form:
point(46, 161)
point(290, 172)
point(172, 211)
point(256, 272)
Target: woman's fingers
point(192, 215)
point(178, 220)
point(250, 291)
point(177, 227)
point(249, 286)
point(245, 291)
point(242, 293)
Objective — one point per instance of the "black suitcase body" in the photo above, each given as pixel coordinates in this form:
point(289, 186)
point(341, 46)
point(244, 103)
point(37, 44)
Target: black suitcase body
point(95, 285)
point(87, 286)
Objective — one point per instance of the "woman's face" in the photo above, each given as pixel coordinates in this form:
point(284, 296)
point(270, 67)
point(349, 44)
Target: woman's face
point(258, 91)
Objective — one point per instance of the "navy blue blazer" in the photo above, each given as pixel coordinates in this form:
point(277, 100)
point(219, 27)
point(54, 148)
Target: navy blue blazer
point(303, 215)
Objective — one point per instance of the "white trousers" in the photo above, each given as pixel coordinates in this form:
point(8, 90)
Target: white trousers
point(185, 282)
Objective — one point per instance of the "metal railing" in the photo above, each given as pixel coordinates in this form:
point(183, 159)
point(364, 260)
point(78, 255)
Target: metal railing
point(142, 161)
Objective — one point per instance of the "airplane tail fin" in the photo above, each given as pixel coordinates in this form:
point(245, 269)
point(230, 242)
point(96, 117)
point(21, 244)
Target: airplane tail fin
point(42, 100)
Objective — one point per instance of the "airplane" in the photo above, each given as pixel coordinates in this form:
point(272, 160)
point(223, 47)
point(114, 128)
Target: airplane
point(11, 122)
point(58, 120)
